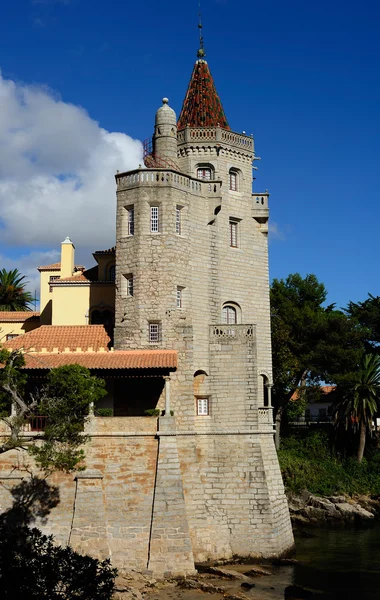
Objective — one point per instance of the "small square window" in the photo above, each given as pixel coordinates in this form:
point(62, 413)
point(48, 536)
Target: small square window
point(204, 173)
point(154, 333)
point(154, 219)
point(202, 407)
point(127, 285)
point(11, 336)
point(51, 279)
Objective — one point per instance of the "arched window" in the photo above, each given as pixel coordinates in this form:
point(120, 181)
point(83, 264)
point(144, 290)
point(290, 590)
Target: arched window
point(229, 315)
point(233, 180)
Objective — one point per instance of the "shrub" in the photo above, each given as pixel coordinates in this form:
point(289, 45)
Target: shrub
point(32, 567)
point(104, 412)
point(152, 412)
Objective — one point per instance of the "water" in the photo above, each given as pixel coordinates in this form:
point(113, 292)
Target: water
point(340, 563)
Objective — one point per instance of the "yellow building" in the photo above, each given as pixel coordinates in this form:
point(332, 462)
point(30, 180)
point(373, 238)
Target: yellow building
point(69, 295)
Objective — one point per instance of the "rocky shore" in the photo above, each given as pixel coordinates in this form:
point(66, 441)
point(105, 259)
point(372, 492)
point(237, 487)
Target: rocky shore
point(309, 510)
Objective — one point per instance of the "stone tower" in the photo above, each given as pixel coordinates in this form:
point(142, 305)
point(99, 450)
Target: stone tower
point(192, 276)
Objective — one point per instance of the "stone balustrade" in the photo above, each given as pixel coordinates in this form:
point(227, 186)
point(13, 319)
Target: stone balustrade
point(167, 177)
point(215, 134)
point(232, 331)
point(265, 417)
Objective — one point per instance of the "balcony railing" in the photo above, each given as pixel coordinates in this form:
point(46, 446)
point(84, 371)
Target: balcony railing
point(232, 331)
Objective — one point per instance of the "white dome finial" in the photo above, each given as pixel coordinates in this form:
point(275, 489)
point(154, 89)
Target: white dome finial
point(165, 100)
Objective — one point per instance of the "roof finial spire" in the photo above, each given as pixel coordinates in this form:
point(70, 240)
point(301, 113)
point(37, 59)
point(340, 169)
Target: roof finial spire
point(201, 52)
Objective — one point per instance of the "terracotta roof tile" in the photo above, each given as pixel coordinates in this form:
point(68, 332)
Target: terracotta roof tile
point(57, 267)
point(74, 278)
point(202, 106)
point(120, 359)
point(62, 337)
point(18, 316)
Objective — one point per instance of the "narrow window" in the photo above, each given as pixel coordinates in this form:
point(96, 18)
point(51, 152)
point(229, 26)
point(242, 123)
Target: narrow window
point(127, 285)
point(154, 333)
point(229, 315)
point(51, 279)
point(130, 285)
point(204, 173)
point(233, 181)
point(11, 336)
point(233, 233)
point(178, 224)
point(131, 221)
point(179, 297)
point(202, 407)
point(154, 223)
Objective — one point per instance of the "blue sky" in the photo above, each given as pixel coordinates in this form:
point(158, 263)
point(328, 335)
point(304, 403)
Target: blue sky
point(303, 77)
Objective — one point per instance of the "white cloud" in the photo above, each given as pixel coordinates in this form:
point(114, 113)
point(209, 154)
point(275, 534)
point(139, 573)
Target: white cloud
point(275, 233)
point(57, 169)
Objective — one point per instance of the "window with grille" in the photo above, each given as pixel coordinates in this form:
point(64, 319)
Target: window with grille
point(130, 285)
point(229, 315)
point(154, 222)
point(127, 285)
point(233, 181)
point(233, 233)
point(179, 297)
point(131, 220)
point(154, 333)
point(51, 279)
point(202, 407)
point(204, 173)
point(178, 224)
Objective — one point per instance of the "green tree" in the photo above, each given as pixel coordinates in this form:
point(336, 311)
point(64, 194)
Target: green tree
point(311, 342)
point(367, 314)
point(64, 400)
point(12, 291)
point(359, 398)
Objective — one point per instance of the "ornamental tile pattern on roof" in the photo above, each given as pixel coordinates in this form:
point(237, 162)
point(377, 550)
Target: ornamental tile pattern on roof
point(18, 316)
point(202, 106)
point(62, 337)
point(120, 359)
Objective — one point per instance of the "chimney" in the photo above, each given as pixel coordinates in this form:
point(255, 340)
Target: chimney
point(67, 258)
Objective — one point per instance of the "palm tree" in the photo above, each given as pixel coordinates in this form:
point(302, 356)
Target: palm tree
point(12, 291)
point(359, 403)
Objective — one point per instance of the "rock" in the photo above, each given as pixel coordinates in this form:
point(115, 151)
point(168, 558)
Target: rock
point(225, 573)
point(235, 597)
point(255, 571)
point(127, 594)
point(352, 511)
point(193, 584)
point(295, 592)
point(337, 499)
point(322, 503)
point(247, 586)
point(285, 561)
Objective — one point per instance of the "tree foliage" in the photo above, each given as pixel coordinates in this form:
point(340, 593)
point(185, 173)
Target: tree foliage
point(12, 291)
point(311, 342)
point(367, 313)
point(33, 567)
point(359, 399)
point(64, 400)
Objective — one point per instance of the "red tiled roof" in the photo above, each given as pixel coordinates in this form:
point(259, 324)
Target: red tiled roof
point(18, 316)
point(324, 389)
point(57, 267)
point(52, 346)
point(202, 106)
point(120, 359)
point(73, 279)
point(62, 337)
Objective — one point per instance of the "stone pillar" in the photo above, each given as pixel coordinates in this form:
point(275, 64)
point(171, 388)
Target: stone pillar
point(88, 533)
point(167, 396)
point(170, 549)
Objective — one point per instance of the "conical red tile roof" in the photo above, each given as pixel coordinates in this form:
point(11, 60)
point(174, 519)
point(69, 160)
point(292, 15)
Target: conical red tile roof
point(202, 106)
